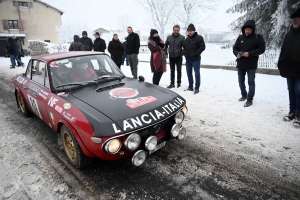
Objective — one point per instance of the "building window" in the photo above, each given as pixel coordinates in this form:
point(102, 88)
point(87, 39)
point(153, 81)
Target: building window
point(22, 4)
point(13, 24)
point(47, 41)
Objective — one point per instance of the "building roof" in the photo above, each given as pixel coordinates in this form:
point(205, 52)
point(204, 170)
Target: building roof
point(11, 34)
point(59, 10)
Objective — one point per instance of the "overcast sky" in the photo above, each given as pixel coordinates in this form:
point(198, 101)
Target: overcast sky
point(105, 13)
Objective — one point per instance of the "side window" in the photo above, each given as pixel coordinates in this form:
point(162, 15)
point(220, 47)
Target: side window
point(38, 72)
point(47, 84)
point(28, 71)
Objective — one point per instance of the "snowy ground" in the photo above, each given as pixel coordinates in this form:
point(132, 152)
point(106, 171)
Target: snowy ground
point(218, 120)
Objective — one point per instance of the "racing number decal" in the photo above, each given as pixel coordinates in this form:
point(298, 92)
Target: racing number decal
point(34, 106)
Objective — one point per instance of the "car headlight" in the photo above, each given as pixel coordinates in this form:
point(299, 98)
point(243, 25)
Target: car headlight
point(113, 146)
point(151, 143)
point(182, 134)
point(185, 110)
point(133, 141)
point(175, 130)
point(179, 117)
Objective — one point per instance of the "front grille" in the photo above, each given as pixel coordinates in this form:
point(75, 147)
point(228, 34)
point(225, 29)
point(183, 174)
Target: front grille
point(155, 129)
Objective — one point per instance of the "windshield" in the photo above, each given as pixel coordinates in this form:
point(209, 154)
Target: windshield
point(82, 69)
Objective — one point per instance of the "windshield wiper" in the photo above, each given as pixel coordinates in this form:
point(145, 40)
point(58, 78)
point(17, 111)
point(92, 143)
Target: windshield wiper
point(106, 77)
point(68, 84)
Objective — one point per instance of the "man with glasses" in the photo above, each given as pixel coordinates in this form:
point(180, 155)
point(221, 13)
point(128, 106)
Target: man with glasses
point(289, 67)
point(60, 75)
point(174, 44)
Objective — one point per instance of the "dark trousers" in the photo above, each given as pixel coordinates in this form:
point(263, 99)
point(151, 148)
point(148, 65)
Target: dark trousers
point(19, 63)
point(251, 82)
point(156, 77)
point(178, 62)
point(294, 94)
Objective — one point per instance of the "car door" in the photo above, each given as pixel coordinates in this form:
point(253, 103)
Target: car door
point(38, 88)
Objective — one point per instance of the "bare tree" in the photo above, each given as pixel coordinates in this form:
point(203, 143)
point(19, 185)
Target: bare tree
point(124, 21)
point(161, 11)
point(67, 31)
point(189, 11)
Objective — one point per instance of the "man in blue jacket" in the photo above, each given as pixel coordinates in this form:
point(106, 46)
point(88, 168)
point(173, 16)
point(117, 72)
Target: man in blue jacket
point(86, 41)
point(13, 50)
point(247, 49)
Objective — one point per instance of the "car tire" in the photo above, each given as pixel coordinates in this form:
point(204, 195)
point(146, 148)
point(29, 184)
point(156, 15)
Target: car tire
point(23, 105)
point(75, 155)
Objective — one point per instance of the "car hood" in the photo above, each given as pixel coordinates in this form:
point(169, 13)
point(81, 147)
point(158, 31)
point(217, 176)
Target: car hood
point(130, 104)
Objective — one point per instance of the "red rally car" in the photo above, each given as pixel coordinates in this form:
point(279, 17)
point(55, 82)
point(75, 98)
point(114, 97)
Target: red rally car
point(84, 97)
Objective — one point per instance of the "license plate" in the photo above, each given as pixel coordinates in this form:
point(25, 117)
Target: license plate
point(158, 147)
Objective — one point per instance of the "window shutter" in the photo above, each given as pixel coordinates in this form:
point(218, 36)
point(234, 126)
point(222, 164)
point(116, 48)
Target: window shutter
point(30, 5)
point(15, 3)
point(21, 27)
point(5, 24)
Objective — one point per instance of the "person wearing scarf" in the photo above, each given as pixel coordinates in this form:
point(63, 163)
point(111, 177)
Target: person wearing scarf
point(158, 60)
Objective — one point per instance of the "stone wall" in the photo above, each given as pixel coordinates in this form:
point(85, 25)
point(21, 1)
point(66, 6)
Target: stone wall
point(37, 48)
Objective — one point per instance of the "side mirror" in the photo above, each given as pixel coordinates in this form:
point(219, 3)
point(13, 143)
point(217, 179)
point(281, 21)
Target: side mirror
point(141, 78)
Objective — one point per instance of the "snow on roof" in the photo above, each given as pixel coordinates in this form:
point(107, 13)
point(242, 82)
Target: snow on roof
point(59, 10)
point(10, 35)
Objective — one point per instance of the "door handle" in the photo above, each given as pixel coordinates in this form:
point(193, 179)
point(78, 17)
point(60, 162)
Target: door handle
point(25, 87)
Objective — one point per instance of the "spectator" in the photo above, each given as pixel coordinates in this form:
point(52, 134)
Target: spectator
point(116, 50)
point(20, 49)
point(193, 47)
point(132, 50)
point(247, 49)
point(76, 45)
point(99, 43)
point(158, 59)
point(13, 51)
point(86, 41)
point(125, 54)
point(175, 43)
point(289, 67)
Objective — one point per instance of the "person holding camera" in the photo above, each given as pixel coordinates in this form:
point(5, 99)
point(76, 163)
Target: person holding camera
point(247, 49)
point(158, 60)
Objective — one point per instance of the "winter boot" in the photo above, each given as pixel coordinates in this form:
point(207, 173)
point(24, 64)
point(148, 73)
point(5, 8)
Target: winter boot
point(289, 117)
point(248, 103)
point(189, 89)
point(171, 86)
point(243, 98)
point(178, 85)
point(297, 121)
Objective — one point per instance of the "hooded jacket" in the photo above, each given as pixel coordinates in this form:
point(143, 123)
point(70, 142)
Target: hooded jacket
point(99, 45)
point(289, 58)
point(174, 45)
point(76, 45)
point(254, 44)
point(193, 47)
point(87, 42)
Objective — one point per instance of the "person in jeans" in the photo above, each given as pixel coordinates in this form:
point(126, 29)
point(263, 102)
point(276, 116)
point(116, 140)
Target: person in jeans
point(289, 67)
point(193, 47)
point(247, 49)
point(132, 50)
point(174, 44)
point(14, 52)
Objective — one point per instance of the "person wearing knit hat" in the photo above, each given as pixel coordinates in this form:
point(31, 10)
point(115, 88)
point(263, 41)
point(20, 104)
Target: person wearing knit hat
point(289, 68)
point(193, 47)
point(86, 41)
point(158, 60)
point(99, 43)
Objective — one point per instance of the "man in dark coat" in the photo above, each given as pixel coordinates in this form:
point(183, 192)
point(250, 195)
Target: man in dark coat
point(20, 49)
point(247, 49)
point(14, 52)
point(193, 47)
point(86, 41)
point(116, 50)
point(99, 43)
point(174, 44)
point(125, 57)
point(132, 50)
point(76, 45)
point(289, 67)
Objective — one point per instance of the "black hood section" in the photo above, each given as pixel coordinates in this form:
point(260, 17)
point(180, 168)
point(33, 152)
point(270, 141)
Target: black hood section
point(130, 106)
point(249, 24)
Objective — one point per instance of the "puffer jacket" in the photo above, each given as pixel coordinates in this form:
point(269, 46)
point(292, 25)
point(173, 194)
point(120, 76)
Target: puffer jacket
point(76, 45)
point(174, 45)
point(193, 47)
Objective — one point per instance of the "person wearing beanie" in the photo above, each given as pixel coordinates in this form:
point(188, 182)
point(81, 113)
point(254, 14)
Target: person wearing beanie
point(193, 47)
point(86, 41)
point(132, 50)
point(158, 60)
point(76, 45)
point(173, 45)
point(247, 49)
point(99, 43)
point(289, 67)
point(116, 50)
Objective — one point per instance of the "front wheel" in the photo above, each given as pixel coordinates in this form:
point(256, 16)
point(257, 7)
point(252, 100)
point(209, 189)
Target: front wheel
point(23, 106)
point(75, 155)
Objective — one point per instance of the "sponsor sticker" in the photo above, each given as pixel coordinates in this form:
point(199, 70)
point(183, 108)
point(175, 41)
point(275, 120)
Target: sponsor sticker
point(68, 116)
point(20, 79)
point(34, 90)
point(34, 106)
point(67, 105)
point(51, 117)
point(150, 117)
point(63, 94)
point(140, 101)
point(43, 94)
point(52, 101)
point(24, 82)
point(123, 93)
point(58, 108)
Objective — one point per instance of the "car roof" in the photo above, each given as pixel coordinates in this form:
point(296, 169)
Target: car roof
point(56, 56)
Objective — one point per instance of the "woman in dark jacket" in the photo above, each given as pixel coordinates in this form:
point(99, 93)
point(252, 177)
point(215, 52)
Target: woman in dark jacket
point(76, 45)
point(158, 59)
point(116, 50)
